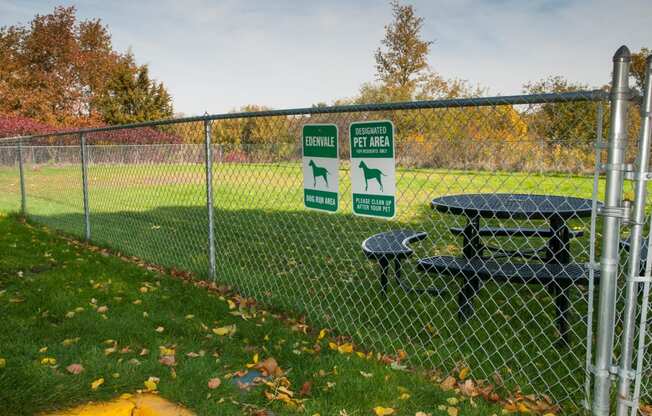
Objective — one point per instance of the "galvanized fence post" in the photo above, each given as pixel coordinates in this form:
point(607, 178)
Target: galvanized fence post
point(21, 172)
point(613, 211)
point(209, 198)
point(84, 163)
point(640, 177)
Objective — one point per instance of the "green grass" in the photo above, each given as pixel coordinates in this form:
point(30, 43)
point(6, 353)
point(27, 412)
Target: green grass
point(44, 277)
point(271, 248)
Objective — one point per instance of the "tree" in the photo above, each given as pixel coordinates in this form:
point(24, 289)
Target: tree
point(637, 68)
point(565, 124)
point(56, 69)
point(131, 96)
point(406, 54)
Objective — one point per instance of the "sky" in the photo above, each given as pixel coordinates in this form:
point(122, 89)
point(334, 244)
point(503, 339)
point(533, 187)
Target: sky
point(216, 56)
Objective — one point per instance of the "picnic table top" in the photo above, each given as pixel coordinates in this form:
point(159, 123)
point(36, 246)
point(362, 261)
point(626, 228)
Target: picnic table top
point(505, 206)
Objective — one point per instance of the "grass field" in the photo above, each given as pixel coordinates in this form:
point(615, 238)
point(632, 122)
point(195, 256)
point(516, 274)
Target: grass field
point(62, 303)
point(271, 248)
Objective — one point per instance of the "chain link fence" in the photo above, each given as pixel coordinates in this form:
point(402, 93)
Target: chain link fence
point(504, 188)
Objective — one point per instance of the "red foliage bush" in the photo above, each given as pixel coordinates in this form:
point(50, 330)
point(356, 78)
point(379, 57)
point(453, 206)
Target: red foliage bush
point(11, 126)
point(22, 126)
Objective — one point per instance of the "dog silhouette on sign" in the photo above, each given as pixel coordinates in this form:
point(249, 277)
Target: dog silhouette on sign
point(318, 171)
point(369, 174)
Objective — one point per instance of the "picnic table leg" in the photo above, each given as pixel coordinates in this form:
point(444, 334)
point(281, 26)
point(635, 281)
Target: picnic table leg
point(558, 252)
point(471, 247)
point(384, 267)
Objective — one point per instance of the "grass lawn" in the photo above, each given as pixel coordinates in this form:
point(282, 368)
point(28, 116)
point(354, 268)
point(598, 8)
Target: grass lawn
point(61, 301)
point(270, 248)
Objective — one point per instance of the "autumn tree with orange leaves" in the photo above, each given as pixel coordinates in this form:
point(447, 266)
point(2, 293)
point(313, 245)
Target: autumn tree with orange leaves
point(65, 72)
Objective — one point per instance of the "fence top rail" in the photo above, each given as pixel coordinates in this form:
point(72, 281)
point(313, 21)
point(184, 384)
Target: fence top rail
point(524, 99)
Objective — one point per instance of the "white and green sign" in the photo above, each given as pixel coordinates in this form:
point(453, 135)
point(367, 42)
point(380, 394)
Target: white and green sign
point(373, 172)
point(321, 165)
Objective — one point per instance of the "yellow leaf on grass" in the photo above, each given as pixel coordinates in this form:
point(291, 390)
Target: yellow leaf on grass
point(225, 330)
point(48, 361)
point(464, 373)
point(383, 411)
point(255, 361)
point(97, 383)
point(452, 401)
point(44, 349)
point(404, 396)
point(452, 411)
point(151, 383)
point(231, 303)
point(3, 363)
point(166, 351)
point(322, 334)
point(69, 341)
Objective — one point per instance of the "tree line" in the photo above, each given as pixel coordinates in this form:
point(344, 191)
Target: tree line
point(80, 80)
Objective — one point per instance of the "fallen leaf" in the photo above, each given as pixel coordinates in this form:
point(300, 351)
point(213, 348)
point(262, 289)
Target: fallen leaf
point(254, 363)
point(214, 383)
point(168, 360)
point(97, 383)
point(452, 411)
point(404, 396)
point(3, 363)
point(151, 384)
point(48, 361)
point(366, 375)
point(160, 329)
point(452, 401)
point(383, 411)
point(144, 351)
point(448, 383)
point(103, 309)
point(269, 367)
point(192, 355)
point(306, 389)
point(166, 351)
point(464, 373)
point(225, 330)
point(75, 368)
point(68, 342)
point(469, 389)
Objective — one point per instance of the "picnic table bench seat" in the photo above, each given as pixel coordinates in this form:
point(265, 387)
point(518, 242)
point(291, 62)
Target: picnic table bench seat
point(488, 269)
point(393, 246)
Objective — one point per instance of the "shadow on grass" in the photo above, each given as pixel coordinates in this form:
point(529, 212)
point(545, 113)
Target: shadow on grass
point(311, 264)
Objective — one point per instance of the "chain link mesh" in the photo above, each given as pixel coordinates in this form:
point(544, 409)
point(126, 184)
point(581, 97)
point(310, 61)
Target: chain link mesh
point(147, 198)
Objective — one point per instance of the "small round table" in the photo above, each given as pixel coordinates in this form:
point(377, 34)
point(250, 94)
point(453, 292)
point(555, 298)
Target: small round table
point(557, 210)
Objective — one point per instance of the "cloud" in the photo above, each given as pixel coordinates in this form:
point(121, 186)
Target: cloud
point(219, 55)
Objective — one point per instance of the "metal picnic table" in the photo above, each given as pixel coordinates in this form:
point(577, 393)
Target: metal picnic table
point(553, 265)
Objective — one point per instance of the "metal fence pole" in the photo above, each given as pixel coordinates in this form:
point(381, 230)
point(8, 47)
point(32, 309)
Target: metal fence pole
point(84, 163)
point(21, 172)
point(634, 259)
point(209, 198)
point(614, 211)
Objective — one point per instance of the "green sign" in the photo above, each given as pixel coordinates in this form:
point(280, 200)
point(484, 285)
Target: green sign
point(373, 171)
point(321, 164)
